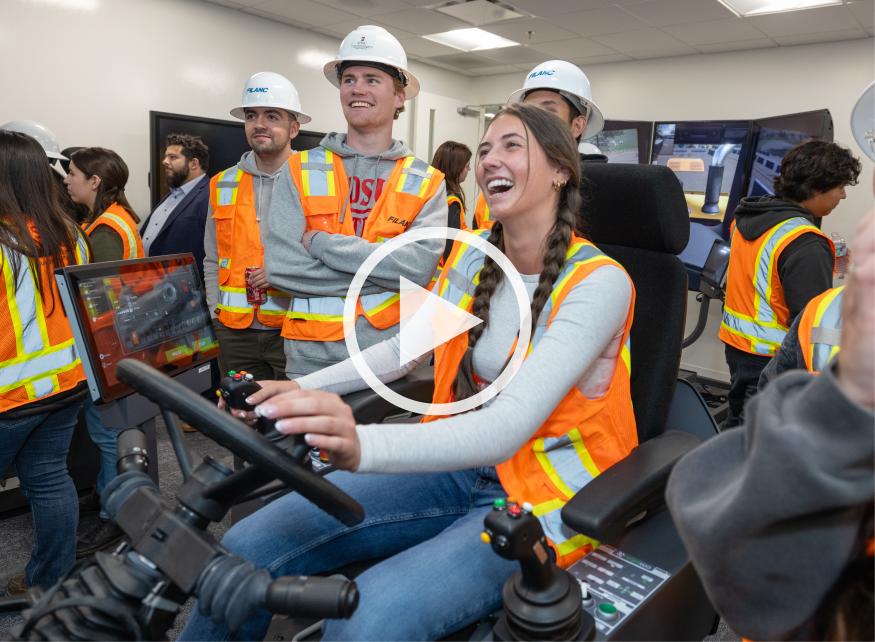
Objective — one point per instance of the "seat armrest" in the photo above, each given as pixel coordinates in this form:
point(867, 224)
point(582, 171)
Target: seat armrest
point(604, 507)
point(370, 408)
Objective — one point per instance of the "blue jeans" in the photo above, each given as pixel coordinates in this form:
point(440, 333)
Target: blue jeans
point(38, 447)
point(106, 439)
point(440, 578)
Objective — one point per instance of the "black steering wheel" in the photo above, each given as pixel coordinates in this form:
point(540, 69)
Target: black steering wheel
point(239, 438)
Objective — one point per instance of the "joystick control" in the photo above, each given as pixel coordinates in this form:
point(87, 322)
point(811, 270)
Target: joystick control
point(541, 601)
point(235, 389)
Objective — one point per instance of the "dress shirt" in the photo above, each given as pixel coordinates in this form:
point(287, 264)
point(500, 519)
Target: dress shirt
point(165, 209)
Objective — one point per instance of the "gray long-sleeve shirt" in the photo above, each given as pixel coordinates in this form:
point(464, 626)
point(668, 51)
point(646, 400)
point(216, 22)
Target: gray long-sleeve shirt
point(333, 259)
point(263, 186)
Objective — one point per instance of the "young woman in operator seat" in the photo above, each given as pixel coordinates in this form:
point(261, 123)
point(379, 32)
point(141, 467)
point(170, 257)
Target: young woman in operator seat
point(564, 417)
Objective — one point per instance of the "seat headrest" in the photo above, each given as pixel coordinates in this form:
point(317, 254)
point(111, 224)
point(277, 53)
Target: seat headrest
point(637, 206)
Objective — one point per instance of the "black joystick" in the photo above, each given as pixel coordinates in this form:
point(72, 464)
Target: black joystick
point(235, 389)
point(541, 601)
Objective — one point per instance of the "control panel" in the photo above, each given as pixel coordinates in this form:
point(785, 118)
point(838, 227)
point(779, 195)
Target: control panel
point(614, 584)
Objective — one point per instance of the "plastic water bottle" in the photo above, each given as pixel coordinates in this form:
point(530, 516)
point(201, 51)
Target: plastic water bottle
point(843, 259)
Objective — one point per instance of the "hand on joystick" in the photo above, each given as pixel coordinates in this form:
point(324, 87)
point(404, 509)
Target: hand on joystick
point(269, 388)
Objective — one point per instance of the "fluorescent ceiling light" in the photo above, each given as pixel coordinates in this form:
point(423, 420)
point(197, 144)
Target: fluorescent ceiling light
point(747, 8)
point(471, 39)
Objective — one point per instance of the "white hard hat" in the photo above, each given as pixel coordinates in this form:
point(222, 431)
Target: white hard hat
point(569, 81)
point(863, 121)
point(267, 89)
point(43, 135)
point(374, 47)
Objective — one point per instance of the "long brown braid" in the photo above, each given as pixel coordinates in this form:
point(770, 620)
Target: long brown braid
point(554, 137)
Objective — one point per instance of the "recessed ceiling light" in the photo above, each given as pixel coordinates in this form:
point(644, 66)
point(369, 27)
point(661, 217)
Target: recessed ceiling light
point(747, 8)
point(471, 39)
point(480, 12)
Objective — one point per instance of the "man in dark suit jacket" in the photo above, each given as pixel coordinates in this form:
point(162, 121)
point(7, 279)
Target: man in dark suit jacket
point(176, 225)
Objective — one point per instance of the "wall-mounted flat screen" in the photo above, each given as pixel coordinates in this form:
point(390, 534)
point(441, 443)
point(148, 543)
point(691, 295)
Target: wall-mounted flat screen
point(624, 141)
point(225, 139)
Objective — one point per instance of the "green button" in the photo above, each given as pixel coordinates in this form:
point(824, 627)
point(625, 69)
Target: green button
point(499, 503)
point(231, 373)
point(607, 609)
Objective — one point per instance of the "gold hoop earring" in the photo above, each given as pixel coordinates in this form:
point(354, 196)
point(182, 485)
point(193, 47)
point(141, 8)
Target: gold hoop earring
point(558, 186)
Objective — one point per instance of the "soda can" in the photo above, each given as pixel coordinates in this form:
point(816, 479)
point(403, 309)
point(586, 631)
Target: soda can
point(254, 296)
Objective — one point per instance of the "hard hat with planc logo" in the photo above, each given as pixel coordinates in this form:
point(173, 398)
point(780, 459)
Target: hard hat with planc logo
point(268, 89)
point(569, 81)
point(370, 46)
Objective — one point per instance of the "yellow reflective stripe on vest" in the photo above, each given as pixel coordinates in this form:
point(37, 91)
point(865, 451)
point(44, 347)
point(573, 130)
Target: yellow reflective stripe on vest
point(132, 240)
point(566, 461)
point(83, 256)
point(317, 172)
point(226, 188)
point(234, 300)
point(828, 316)
point(415, 177)
point(277, 303)
point(374, 303)
point(38, 367)
point(317, 309)
point(564, 538)
point(765, 338)
point(626, 353)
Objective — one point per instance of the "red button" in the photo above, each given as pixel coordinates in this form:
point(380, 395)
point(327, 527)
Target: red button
point(238, 377)
point(514, 510)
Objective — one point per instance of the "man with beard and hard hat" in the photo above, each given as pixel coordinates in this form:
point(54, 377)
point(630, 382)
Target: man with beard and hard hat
point(563, 89)
point(335, 204)
point(240, 200)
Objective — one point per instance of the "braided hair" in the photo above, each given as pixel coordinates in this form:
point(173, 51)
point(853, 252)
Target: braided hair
point(554, 137)
point(113, 173)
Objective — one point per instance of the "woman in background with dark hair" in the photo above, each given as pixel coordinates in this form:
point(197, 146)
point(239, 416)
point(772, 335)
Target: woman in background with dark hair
point(97, 179)
point(77, 211)
point(42, 384)
point(453, 159)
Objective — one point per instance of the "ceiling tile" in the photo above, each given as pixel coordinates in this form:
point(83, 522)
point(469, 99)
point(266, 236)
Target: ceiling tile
point(344, 28)
point(419, 3)
point(545, 8)
point(543, 31)
point(228, 3)
point(458, 70)
point(574, 48)
point(663, 52)
point(829, 36)
point(794, 23)
point(305, 11)
point(420, 21)
point(272, 16)
point(719, 47)
point(727, 30)
point(515, 55)
point(498, 69)
point(327, 32)
point(464, 60)
point(425, 48)
point(661, 13)
point(599, 21)
point(642, 40)
point(366, 7)
point(871, 32)
point(864, 12)
point(600, 60)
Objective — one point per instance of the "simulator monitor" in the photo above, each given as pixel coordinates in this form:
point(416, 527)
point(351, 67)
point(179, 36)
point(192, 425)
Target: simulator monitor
point(716, 265)
point(152, 309)
point(772, 138)
point(225, 139)
point(624, 141)
point(708, 157)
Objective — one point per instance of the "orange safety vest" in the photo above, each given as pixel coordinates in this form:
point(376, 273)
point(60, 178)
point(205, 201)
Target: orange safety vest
point(481, 214)
point(583, 437)
point(117, 218)
point(820, 329)
point(755, 314)
point(462, 226)
point(323, 187)
point(38, 356)
point(239, 243)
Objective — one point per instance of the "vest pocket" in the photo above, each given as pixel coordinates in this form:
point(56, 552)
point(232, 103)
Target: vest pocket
point(224, 241)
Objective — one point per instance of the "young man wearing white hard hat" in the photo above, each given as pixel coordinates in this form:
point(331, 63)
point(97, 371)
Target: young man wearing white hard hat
point(336, 203)
point(563, 89)
point(240, 199)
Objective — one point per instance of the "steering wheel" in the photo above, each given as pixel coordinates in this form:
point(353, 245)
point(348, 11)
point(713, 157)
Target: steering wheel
point(226, 431)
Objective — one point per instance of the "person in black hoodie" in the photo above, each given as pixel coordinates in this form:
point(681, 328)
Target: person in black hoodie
point(780, 260)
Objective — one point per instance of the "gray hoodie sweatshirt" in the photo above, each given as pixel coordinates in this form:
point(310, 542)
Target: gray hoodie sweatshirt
point(328, 269)
point(263, 185)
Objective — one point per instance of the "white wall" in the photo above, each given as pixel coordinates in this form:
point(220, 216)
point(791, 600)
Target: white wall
point(91, 70)
point(742, 84)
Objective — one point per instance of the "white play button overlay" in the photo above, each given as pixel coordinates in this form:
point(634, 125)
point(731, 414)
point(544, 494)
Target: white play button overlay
point(428, 321)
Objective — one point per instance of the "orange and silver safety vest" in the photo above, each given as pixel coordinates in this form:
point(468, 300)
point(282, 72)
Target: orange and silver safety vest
point(755, 314)
point(38, 356)
point(481, 214)
point(239, 243)
point(323, 187)
point(583, 437)
point(117, 218)
point(462, 226)
point(820, 329)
